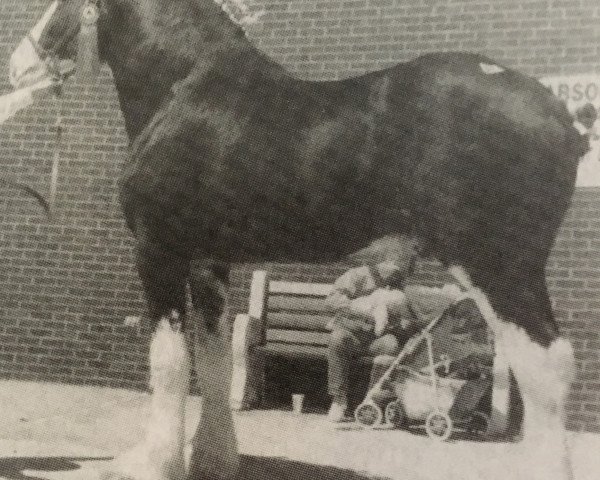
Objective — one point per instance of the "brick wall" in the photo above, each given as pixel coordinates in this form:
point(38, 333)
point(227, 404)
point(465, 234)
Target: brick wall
point(573, 277)
point(67, 283)
point(338, 38)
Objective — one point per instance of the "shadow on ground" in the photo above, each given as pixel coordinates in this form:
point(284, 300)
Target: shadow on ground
point(267, 468)
point(251, 468)
point(12, 468)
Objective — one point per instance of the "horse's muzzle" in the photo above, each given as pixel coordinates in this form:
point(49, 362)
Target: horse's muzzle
point(26, 67)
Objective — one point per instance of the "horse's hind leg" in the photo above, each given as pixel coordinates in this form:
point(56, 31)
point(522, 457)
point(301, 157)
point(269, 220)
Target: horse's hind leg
point(542, 363)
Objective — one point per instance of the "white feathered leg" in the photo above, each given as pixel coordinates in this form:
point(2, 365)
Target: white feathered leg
point(161, 454)
point(544, 376)
point(215, 455)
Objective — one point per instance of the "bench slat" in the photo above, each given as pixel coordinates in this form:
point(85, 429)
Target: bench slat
point(290, 303)
point(300, 288)
point(304, 352)
point(297, 337)
point(297, 321)
point(309, 352)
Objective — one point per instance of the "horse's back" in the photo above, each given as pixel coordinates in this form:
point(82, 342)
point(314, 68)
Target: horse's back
point(496, 157)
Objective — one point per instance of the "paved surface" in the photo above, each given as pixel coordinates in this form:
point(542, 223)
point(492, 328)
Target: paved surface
point(51, 431)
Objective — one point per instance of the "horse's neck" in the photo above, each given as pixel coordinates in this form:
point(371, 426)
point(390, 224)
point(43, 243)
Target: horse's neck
point(154, 44)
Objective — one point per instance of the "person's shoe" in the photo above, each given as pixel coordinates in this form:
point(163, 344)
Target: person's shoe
point(337, 411)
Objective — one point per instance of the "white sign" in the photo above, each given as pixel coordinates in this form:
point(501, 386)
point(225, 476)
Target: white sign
point(577, 91)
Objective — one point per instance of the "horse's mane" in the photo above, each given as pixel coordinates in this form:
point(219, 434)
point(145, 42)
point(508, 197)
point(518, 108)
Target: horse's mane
point(170, 19)
point(239, 12)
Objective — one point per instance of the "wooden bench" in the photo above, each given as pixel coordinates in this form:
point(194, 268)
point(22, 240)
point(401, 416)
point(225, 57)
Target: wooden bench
point(289, 319)
point(284, 319)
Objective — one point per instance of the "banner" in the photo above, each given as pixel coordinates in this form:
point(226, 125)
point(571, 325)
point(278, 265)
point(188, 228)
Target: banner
point(577, 91)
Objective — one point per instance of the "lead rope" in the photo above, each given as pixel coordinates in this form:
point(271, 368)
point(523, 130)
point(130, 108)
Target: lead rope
point(58, 125)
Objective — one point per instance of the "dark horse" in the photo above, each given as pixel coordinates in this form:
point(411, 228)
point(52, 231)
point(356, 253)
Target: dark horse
point(234, 160)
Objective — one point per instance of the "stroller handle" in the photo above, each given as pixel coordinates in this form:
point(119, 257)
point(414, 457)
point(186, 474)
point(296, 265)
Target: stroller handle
point(409, 348)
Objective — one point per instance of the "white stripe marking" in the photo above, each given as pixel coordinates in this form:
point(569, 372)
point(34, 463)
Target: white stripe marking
point(490, 69)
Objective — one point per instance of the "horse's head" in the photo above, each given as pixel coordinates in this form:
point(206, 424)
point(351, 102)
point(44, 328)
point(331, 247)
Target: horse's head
point(51, 47)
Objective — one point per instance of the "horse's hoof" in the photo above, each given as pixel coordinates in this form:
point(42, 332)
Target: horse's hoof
point(204, 466)
point(140, 464)
point(110, 475)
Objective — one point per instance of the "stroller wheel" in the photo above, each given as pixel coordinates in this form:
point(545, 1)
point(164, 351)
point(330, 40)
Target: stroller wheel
point(368, 415)
point(395, 414)
point(479, 424)
point(438, 425)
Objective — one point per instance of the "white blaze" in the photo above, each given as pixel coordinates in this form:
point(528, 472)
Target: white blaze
point(26, 66)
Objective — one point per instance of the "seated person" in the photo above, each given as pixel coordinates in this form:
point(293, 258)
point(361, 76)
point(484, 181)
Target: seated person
point(370, 316)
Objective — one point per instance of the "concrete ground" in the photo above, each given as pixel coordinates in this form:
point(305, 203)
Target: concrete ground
point(51, 431)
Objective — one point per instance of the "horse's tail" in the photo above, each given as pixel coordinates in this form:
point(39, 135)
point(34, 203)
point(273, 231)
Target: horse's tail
point(584, 119)
point(577, 125)
point(582, 144)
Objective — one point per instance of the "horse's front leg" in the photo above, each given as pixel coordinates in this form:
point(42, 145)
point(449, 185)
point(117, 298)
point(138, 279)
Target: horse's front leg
point(161, 453)
point(520, 315)
point(215, 454)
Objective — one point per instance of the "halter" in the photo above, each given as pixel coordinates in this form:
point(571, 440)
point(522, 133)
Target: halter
point(90, 13)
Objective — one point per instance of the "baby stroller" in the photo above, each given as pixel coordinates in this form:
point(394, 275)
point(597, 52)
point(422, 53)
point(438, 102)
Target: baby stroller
point(405, 396)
